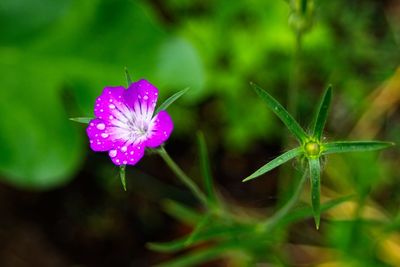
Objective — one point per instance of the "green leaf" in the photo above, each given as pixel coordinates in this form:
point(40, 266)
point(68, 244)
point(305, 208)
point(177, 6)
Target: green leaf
point(211, 233)
point(181, 212)
point(122, 175)
point(305, 212)
point(128, 77)
point(84, 120)
point(354, 146)
point(322, 114)
point(282, 113)
point(275, 163)
point(197, 257)
point(171, 100)
point(205, 168)
point(197, 230)
point(315, 172)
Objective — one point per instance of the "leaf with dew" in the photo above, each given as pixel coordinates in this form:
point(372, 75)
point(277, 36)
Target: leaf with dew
point(282, 113)
point(275, 163)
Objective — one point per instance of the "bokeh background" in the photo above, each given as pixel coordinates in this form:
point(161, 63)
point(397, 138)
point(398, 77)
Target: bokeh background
point(62, 204)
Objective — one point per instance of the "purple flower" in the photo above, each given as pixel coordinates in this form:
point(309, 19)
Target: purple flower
point(124, 124)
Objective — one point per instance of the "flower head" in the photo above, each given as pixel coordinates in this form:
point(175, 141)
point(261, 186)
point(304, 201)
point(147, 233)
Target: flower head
point(124, 124)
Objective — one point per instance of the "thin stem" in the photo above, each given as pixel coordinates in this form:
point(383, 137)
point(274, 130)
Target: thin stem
point(182, 176)
point(296, 76)
point(293, 95)
point(280, 214)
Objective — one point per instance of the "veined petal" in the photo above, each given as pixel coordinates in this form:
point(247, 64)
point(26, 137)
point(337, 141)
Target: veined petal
point(99, 135)
point(105, 106)
point(126, 154)
point(141, 97)
point(161, 128)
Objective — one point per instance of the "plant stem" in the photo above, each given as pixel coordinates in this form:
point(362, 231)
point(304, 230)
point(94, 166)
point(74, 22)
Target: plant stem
point(296, 76)
point(280, 214)
point(182, 176)
point(294, 87)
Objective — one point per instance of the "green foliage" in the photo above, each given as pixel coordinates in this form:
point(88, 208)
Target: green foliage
point(311, 146)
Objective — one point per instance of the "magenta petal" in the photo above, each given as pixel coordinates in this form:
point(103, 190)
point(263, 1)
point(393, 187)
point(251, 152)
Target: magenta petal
point(106, 104)
point(123, 154)
point(141, 96)
point(98, 135)
point(161, 129)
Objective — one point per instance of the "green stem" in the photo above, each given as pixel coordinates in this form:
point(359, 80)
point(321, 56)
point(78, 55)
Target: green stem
point(294, 88)
point(280, 214)
point(182, 176)
point(296, 76)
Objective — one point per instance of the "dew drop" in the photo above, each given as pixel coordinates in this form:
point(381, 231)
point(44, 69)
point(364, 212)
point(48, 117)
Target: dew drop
point(104, 135)
point(124, 148)
point(101, 126)
point(111, 106)
point(113, 153)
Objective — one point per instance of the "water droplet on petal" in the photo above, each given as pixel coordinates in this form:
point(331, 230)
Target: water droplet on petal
point(113, 153)
point(124, 148)
point(145, 97)
point(101, 126)
point(111, 106)
point(124, 162)
point(104, 135)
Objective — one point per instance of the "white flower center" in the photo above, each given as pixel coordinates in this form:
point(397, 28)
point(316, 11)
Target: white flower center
point(131, 126)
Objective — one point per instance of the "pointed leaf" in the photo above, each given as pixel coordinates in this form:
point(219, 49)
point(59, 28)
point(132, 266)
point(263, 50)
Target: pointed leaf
point(315, 172)
point(84, 120)
point(322, 114)
point(197, 257)
point(181, 212)
point(122, 176)
point(354, 146)
point(305, 212)
point(212, 232)
point(282, 113)
point(171, 100)
point(198, 229)
point(128, 77)
point(275, 163)
point(205, 168)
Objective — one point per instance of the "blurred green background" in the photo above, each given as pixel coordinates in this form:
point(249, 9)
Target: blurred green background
point(62, 205)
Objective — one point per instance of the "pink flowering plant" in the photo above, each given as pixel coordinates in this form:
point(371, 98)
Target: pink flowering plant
point(127, 123)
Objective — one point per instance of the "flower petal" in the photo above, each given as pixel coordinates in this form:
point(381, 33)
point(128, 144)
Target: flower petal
point(126, 154)
point(98, 135)
point(161, 129)
point(107, 104)
point(141, 97)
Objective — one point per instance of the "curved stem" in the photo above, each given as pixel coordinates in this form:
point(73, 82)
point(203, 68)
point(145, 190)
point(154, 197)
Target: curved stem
point(182, 176)
point(280, 214)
